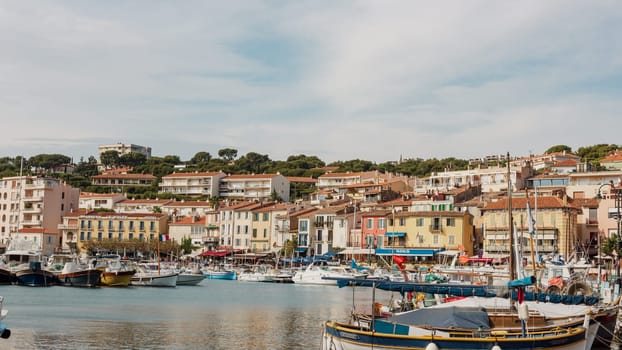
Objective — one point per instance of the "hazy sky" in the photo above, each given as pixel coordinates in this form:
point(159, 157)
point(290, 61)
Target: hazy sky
point(337, 79)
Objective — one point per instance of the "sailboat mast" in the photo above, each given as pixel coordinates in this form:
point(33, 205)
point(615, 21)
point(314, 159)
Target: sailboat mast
point(510, 222)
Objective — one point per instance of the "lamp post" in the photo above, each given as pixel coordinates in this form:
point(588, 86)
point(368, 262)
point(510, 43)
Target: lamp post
point(617, 191)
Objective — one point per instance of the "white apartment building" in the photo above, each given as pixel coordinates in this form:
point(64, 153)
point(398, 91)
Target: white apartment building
point(586, 185)
point(140, 206)
point(92, 201)
point(124, 148)
point(334, 181)
point(192, 227)
point(492, 179)
point(187, 208)
point(192, 184)
point(254, 187)
point(32, 202)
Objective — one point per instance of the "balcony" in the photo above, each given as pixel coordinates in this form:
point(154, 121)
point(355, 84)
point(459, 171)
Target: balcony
point(67, 226)
point(436, 228)
point(32, 211)
point(590, 221)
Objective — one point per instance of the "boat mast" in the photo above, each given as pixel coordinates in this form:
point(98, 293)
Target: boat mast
point(510, 222)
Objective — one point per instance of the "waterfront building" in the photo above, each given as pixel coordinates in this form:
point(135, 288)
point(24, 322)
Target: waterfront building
point(120, 227)
point(555, 225)
point(33, 202)
point(565, 166)
point(255, 187)
point(613, 161)
point(548, 184)
point(187, 208)
point(211, 240)
point(140, 206)
point(185, 227)
point(124, 148)
point(586, 185)
point(334, 181)
point(265, 227)
point(46, 242)
point(118, 182)
point(235, 222)
point(291, 228)
point(374, 192)
point(321, 233)
point(92, 201)
point(488, 179)
point(544, 161)
point(193, 184)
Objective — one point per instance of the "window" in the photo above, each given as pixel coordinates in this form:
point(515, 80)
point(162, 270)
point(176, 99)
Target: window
point(265, 216)
point(88, 224)
point(419, 222)
point(110, 224)
point(450, 222)
point(100, 224)
point(435, 239)
point(151, 236)
point(265, 232)
point(100, 236)
point(120, 225)
point(141, 225)
point(369, 223)
point(120, 236)
point(330, 235)
point(382, 223)
point(319, 235)
point(82, 236)
point(237, 229)
point(254, 233)
point(451, 240)
point(109, 235)
point(391, 222)
point(369, 241)
point(245, 229)
point(402, 221)
point(130, 236)
point(255, 217)
point(88, 235)
point(141, 236)
point(131, 225)
point(152, 226)
point(303, 226)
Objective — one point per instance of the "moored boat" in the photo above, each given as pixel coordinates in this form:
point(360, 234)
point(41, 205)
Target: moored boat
point(34, 276)
point(144, 276)
point(219, 273)
point(191, 277)
point(77, 275)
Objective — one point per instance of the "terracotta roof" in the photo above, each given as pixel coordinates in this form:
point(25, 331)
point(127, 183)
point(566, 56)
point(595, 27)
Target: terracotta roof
point(331, 209)
point(302, 212)
point(250, 176)
point(520, 203)
point(187, 220)
point(77, 213)
point(274, 207)
point(129, 215)
point(565, 163)
point(195, 174)
point(189, 204)
point(98, 195)
point(301, 179)
point(616, 157)
point(144, 201)
point(396, 202)
point(35, 230)
point(376, 213)
point(361, 185)
point(342, 174)
point(124, 176)
point(586, 202)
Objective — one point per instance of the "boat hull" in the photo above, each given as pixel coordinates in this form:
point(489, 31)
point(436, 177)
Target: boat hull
point(220, 275)
point(154, 280)
point(87, 278)
point(189, 279)
point(36, 278)
point(6, 277)
point(117, 278)
point(343, 337)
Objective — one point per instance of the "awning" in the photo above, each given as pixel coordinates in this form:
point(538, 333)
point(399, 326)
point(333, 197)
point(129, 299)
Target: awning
point(395, 234)
point(409, 252)
point(357, 251)
point(216, 253)
point(301, 249)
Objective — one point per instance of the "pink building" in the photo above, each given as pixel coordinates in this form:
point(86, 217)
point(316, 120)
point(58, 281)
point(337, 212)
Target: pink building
point(32, 202)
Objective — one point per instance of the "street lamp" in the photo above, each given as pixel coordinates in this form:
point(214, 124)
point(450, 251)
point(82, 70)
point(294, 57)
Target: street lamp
point(617, 191)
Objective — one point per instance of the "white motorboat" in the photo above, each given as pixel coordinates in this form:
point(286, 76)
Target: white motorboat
point(319, 272)
point(145, 276)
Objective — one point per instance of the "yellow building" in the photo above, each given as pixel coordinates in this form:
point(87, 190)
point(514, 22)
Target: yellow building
point(114, 226)
point(425, 233)
point(555, 225)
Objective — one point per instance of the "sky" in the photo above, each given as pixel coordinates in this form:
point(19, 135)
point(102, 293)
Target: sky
point(340, 80)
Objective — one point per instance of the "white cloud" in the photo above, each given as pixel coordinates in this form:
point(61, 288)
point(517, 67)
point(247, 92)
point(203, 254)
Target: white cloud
point(369, 80)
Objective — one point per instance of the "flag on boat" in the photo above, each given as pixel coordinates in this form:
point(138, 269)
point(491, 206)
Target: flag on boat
point(164, 238)
point(530, 219)
point(399, 260)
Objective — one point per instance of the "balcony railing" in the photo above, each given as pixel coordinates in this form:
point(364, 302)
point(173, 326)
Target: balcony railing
point(436, 228)
point(589, 221)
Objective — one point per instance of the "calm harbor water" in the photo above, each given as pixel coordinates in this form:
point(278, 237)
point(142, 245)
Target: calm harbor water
point(214, 315)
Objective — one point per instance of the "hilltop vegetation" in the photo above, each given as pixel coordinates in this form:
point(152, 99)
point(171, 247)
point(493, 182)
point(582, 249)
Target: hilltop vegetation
point(228, 162)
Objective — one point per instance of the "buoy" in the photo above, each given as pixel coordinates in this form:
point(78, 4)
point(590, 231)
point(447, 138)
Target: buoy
point(496, 347)
point(431, 346)
point(523, 312)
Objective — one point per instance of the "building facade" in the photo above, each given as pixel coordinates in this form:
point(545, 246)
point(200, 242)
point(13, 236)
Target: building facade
point(124, 148)
point(255, 187)
point(192, 184)
point(32, 202)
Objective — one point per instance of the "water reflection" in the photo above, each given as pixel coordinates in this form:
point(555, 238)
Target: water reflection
point(216, 315)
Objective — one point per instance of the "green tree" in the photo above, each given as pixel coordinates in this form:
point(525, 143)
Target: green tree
point(558, 148)
point(201, 158)
point(172, 159)
point(48, 161)
point(186, 245)
point(253, 163)
point(132, 159)
point(228, 154)
point(109, 158)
